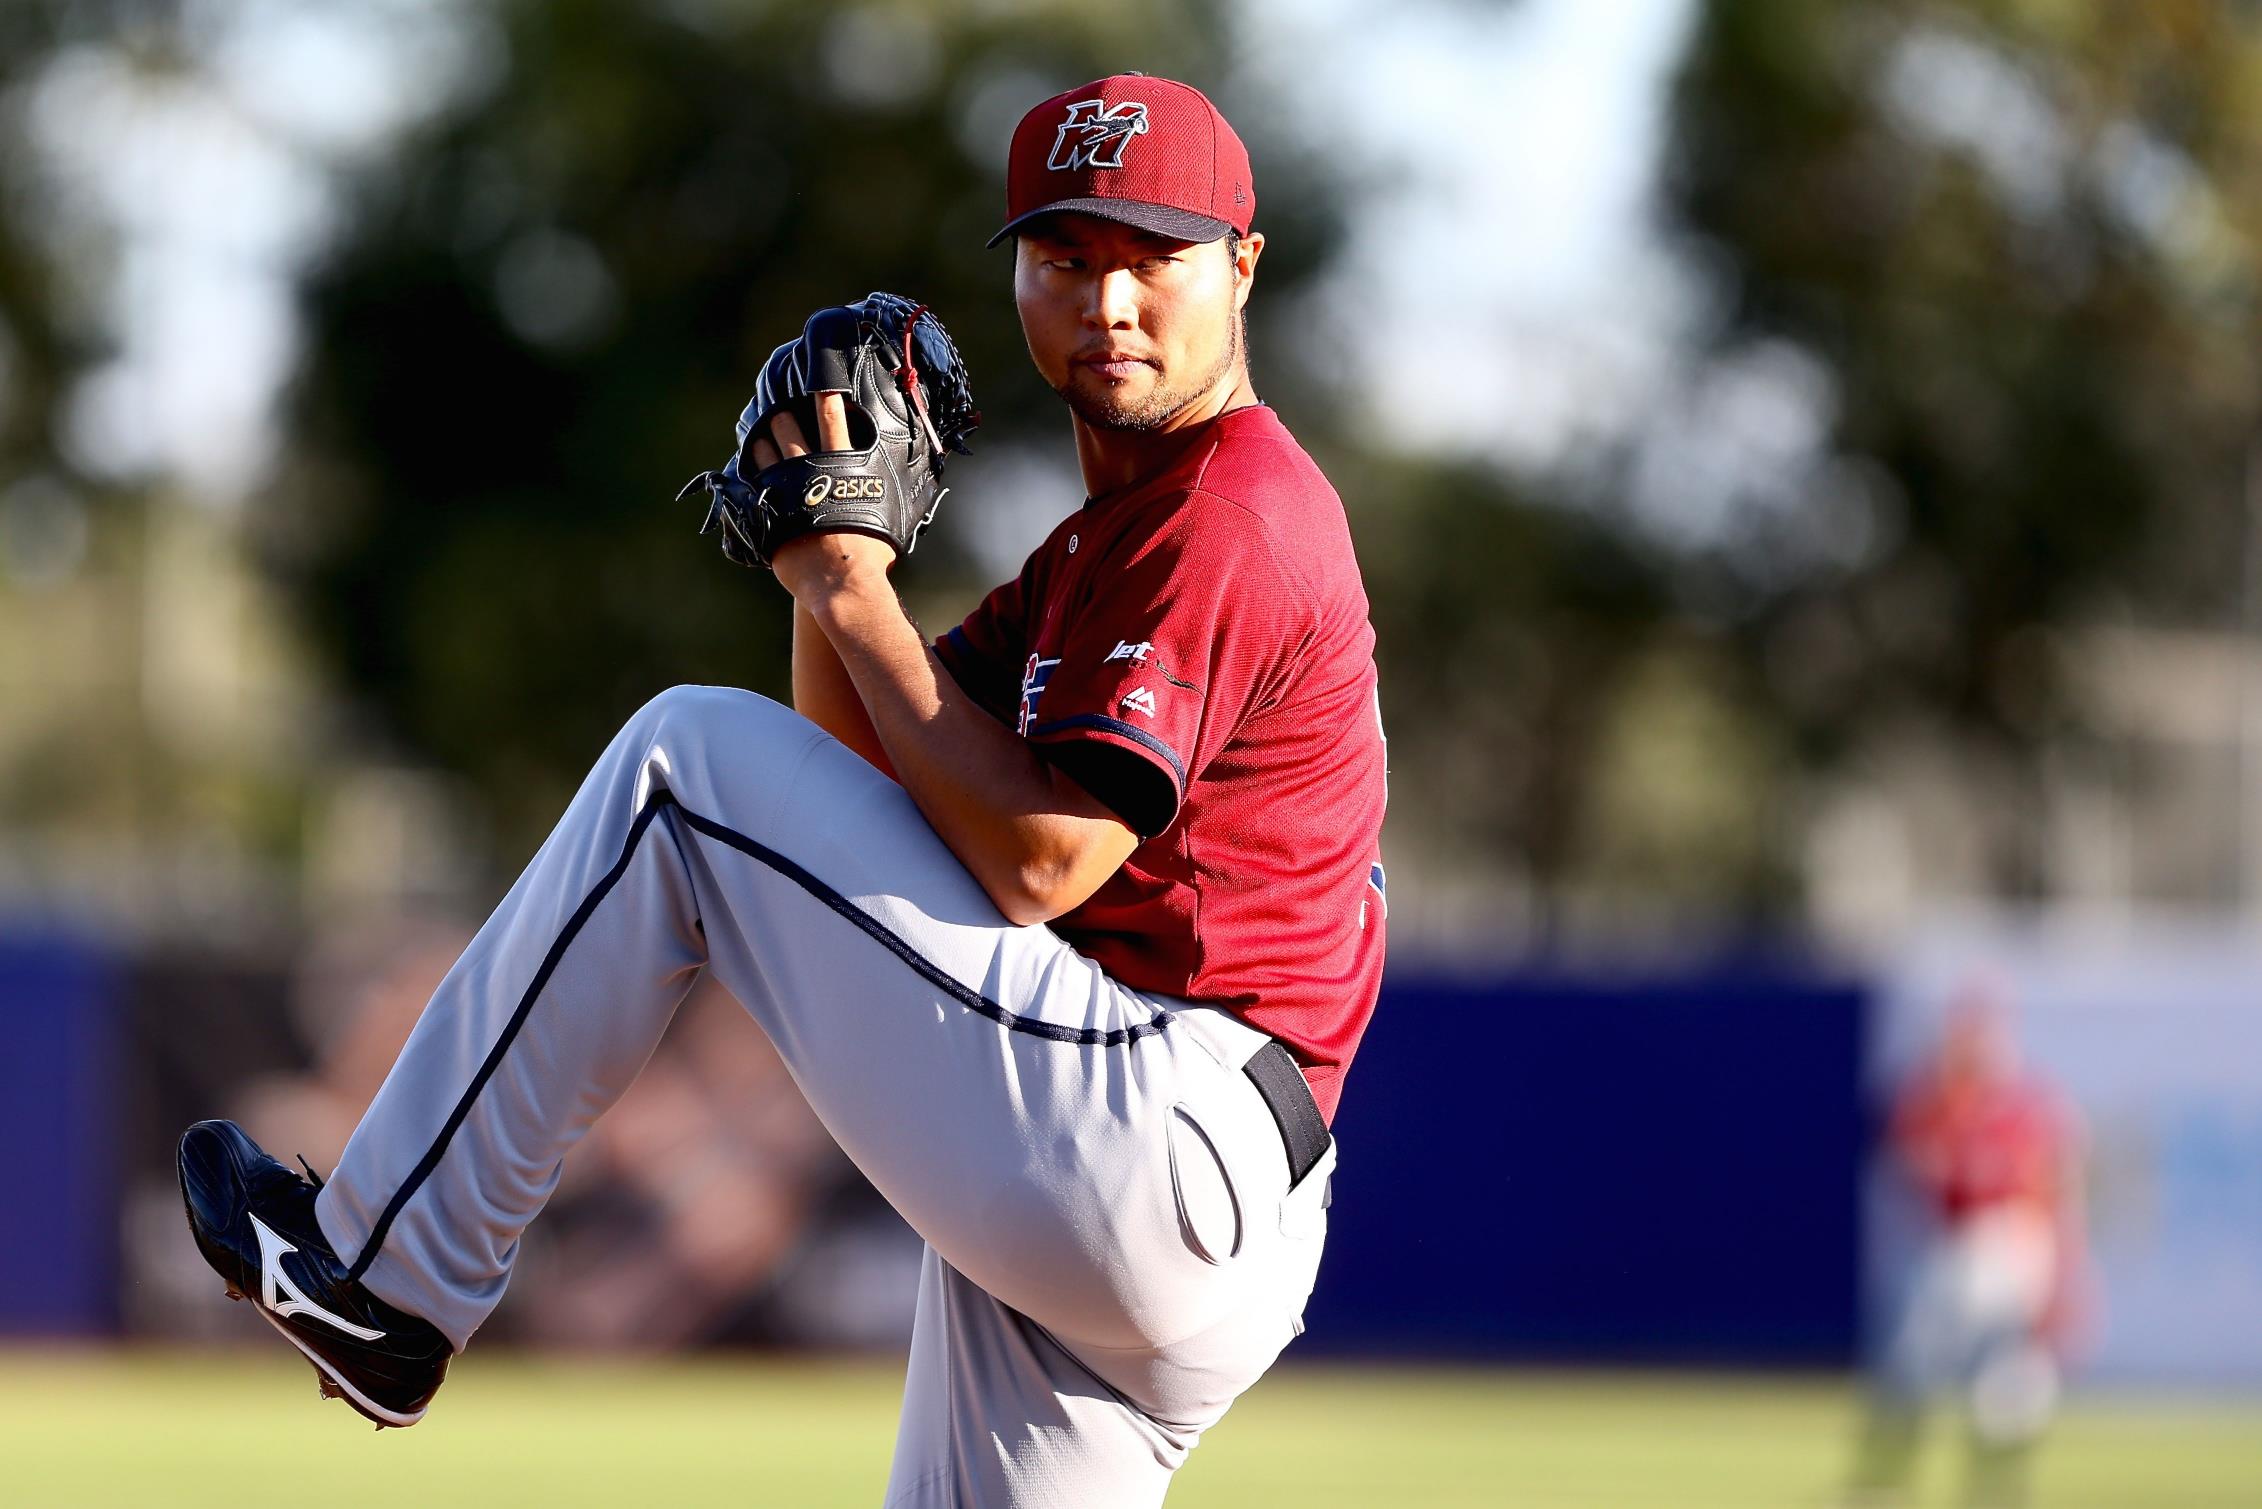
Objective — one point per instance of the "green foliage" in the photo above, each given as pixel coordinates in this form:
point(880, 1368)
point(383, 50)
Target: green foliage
point(1500, 629)
point(2022, 237)
point(2018, 240)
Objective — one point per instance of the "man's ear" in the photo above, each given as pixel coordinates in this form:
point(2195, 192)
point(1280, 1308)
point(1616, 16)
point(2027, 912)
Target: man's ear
point(1251, 247)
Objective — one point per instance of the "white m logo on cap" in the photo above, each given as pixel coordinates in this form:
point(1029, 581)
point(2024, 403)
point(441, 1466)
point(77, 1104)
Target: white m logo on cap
point(1095, 138)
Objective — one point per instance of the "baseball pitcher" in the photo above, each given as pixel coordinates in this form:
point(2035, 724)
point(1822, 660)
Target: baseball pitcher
point(1067, 923)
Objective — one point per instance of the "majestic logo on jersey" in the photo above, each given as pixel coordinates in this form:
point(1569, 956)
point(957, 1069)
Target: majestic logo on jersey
point(1143, 653)
point(841, 489)
point(1139, 700)
point(1034, 675)
point(1094, 137)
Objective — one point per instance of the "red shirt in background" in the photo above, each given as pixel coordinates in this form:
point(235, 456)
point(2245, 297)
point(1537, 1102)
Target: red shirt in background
point(1973, 1145)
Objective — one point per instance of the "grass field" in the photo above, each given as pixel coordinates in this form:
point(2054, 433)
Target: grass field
point(242, 1430)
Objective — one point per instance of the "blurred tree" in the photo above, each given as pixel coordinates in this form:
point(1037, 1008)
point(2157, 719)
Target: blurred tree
point(1999, 260)
point(1504, 630)
point(2024, 239)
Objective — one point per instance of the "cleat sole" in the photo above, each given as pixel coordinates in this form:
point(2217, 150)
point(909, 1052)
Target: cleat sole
point(368, 1408)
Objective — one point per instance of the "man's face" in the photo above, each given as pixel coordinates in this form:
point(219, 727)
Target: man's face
point(1129, 327)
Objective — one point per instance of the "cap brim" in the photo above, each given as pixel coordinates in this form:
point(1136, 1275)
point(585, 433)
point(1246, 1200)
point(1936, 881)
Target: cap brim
point(1160, 219)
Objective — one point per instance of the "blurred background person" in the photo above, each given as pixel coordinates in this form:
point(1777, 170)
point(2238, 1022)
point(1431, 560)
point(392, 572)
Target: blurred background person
point(1996, 1294)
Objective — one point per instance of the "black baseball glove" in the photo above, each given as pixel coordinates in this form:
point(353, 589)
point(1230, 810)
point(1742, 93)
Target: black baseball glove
point(909, 405)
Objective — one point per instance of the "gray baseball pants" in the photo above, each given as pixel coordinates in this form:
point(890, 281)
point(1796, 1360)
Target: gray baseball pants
point(1113, 1248)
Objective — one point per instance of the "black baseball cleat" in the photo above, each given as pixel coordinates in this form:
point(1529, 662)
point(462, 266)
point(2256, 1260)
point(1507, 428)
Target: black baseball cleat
point(254, 1222)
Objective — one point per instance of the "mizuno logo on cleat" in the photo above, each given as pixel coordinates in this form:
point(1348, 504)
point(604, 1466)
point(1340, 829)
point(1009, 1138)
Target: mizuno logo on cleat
point(272, 1280)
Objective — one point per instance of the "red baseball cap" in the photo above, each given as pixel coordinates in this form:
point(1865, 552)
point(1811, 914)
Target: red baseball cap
point(1148, 152)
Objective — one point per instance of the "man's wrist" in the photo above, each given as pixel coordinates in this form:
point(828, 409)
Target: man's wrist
point(846, 606)
point(846, 601)
point(819, 569)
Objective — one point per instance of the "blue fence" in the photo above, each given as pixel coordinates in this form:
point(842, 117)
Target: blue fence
point(1641, 1171)
point(1662, 1170)
point(59, 1086)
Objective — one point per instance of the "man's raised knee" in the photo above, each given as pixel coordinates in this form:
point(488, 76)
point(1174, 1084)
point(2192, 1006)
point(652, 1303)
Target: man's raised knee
point(692, 696)
point(695, 706)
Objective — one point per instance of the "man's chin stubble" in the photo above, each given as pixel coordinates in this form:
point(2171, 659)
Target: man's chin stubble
point(1105, 411)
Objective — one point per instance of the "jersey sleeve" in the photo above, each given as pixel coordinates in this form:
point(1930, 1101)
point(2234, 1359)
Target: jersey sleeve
point(1179, 641)
point(983, 654)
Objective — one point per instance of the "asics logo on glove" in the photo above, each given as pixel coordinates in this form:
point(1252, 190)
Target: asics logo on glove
point(826, 487)
point(802, 466)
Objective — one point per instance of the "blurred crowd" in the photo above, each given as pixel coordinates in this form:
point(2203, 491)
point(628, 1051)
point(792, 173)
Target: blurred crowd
point(708, 1206)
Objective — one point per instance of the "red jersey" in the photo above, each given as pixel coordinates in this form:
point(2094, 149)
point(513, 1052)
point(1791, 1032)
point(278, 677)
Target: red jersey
point(1209, 622)
point(1979, 1145)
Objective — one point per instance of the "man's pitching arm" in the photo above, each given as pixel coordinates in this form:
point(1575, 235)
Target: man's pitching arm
point(1038, 843)
point(824, 694)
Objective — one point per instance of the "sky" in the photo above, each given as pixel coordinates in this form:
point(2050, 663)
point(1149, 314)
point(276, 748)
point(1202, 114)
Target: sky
point(1525, 142)
point(1521, 142)
point(218, 180)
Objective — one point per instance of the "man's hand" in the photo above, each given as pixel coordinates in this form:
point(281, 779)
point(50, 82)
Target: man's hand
point(821, 563)
point(908, 399)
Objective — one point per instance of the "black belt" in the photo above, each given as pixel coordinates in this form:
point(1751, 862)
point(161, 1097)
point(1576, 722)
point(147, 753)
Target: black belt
point(1273, 1071)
